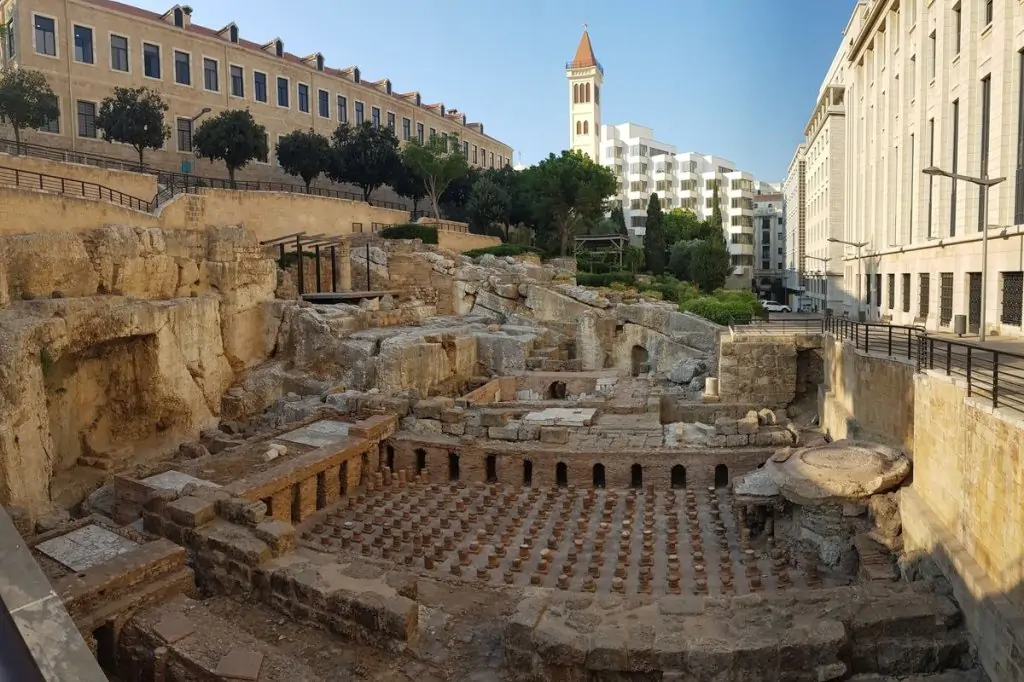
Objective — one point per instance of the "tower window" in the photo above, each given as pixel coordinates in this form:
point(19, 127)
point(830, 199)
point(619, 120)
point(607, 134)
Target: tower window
point(579, 128)
point(575, 93)
point(587, 99)
point(586, 128)
point(597, 94)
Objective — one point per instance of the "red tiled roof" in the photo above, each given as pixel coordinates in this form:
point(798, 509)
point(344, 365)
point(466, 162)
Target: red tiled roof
point(584, 53)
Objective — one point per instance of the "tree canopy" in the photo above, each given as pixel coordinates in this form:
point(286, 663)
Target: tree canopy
point(304, 153)
point(365, 156)
point(233, 137)
point(26, 101)
point(654, 237)
point(565, 190)
point(134, 116)
point(619, 218)
point(437, 164)
point(489, 204)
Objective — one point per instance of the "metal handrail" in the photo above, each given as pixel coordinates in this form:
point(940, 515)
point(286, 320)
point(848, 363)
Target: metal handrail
point(78, 188)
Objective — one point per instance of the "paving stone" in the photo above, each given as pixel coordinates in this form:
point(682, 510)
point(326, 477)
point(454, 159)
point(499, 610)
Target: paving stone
point(318, 434)
point(240, 665)
point(85, 547)
point(176, 481)
point(174, 628)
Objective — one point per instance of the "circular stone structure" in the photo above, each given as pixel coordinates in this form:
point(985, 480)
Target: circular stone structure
point(837, 471)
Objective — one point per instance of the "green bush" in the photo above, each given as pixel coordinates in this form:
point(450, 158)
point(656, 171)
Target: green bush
point(594, 279)
point(653, 294)
point(725, 307)
point(425, 233)
point(502, 250)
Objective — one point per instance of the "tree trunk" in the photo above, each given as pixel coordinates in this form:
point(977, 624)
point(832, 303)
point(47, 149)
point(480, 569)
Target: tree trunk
point(507, 230)
point(563, 236)
point(141, 150)
point(308, 182)
point(434, 206)
point(17, 141)
point(415, 207)
point(366, 194)
point(231, 177)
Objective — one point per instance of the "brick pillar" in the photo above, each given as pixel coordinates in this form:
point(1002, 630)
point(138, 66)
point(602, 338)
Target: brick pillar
point(331, 485)
point(306, 503)
point(344, 266)
point(281, 505)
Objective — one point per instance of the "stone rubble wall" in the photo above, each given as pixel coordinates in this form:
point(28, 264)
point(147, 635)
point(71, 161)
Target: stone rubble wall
point(759, 369)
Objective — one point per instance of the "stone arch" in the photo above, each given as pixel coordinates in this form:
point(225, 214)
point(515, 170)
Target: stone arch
point(389, 456)
point(453, 466)
point(575, 93)
point(639, 359)
point(636, 476)
point(491, 468)
point(527, 473)
point(556, 391)
point(421, 460)
point(587, 97)
point(579, 127)
point(586, 127)
point(678, 476)
point(561, 475)
point(598, 476)
point(721, 476)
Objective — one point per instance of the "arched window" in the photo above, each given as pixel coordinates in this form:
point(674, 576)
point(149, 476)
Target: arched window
point(586, 127)
point(561, 475)
point(721, 476)
point(527, 473)
point(579, 128)
point(636, 476)
point(390, 457)
point(678, 476)
point(597, 94)
point(421, 460)
point(575, 93)
point(453, 466)
point(587, 97)
point(179, 17)
point(233, 34)
point(598, 476)
point(492, 468)
point(556, 391)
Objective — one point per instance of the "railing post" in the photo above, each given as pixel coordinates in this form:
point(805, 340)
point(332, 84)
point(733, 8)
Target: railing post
point(969, 371)
point(995, 379)
point(909, 336)
point(867, 339)
point(890, 342)
point(949, 357)
point(920, 351)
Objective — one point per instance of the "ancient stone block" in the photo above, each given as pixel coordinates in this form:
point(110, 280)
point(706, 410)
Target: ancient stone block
point(278, 535)
point(191, 512)
point(494, 418)
point(748, 425)
point(726, 427)
point(735, 441)
point(238, 510)
point(453, 429)
point(503, 432)
point(528, 432)
point(431, 408)
point(555, 435)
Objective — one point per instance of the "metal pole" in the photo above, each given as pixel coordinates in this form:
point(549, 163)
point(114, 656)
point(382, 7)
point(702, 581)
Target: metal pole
point(298, 252)
point(334, 269)
point(984, 257)
point(860, 277)
point(318, 269)
point(369, 286)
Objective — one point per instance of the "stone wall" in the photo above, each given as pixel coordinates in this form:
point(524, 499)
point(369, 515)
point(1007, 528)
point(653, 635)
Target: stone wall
point(25, 211)
point(464, 241)
point(137, 185)
point(759, 369)
point(866, 396)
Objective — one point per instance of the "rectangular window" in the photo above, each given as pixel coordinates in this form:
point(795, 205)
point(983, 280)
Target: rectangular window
point(303, 98)
point(211, 75)
point(465, 149)
point(906, 292)
point(282, 92)
point(945, 298)
point(419, 132)
point(119, 53)
point(53, 125)
point(259, 86)
point(237, 81)
point(955, 158)
point(375, 116)
point(87, 119)
point(391, 121)
point(986, 113)
point(360, 117)
point(323, 103)
point(46, 36)
point(958, 21)
point(83, 45)
point(892, 291)
point(433, 133)
point(342, 109)
point(184, 130)
point(182, 68)
point(12, 42)
point(867, 289)
point(878, 290)
point(406, 129)
point(492, 159)
point(475, 154)
point(913, 184)
point(933, 55)
point(924, 295)
point(931, 179)
point(151, 60)
point(1013, 292)
point(989, 12)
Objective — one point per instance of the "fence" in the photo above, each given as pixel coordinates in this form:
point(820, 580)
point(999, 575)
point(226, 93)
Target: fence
point(75, 188)
point(886, 339)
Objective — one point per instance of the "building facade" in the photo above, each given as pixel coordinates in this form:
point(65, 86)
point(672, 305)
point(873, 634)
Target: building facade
point(770, 246)
point(86, 48)
point(935, 84)
point(794, 191)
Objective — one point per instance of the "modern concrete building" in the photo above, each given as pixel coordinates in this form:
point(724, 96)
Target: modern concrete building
point(794, 192)
point(770, 246)
point(88, 47)
point(935, 84)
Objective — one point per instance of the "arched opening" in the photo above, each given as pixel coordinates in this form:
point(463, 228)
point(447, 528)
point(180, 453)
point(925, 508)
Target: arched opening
point(636, 476)
point(453, 466)
point(527, 473)
point(179, 17)
point(389, 457)
point(561, 475)
point(721, 476)
point(639, 361)
point(342, 479)
point(421, 460)
point(579, 127)
point(587, 97)
point(575, 93)
point(556, 391)
point(598, 475)
point(364, 470)
point(586, 127)
point(491, 466)
point(678, 476)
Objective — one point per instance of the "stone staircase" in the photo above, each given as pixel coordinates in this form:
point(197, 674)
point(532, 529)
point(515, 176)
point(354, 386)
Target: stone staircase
point(545, 357)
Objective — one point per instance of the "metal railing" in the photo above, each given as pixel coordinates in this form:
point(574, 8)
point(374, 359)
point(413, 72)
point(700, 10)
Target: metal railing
point(994, 375)
point(76, 188)
point(180, 183)
point(776, 326)
point(891, 340)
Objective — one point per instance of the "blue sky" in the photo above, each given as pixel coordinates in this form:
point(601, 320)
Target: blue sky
point(735, 78)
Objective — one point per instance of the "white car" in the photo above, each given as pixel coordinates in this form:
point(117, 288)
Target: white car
point(773, 307)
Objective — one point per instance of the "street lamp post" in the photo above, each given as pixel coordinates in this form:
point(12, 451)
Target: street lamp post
point(983, 183)
point(825, 261)
point(860, 268)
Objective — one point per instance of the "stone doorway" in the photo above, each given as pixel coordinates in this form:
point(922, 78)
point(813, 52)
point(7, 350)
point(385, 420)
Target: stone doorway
point(527, 473)
point(598, 477)
point(678, 476)
point(561, 475)
point(639, 361)
point(721, 476)
point(453, 466)
point(636, 476)
point(491, 466)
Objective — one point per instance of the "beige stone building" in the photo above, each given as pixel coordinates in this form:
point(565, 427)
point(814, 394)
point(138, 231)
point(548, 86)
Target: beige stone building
point(88, 47)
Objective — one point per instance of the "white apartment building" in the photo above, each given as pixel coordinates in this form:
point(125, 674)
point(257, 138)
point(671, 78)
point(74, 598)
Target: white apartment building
point(645, 166)
point(793, 194)
point(770, 245)
point(935, 83)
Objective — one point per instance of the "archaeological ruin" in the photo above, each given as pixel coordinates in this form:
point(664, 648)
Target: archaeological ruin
point(473, 469)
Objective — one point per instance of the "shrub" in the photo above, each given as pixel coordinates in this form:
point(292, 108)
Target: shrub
point(502, 250)
point(593, 279)
point(425, 233)
point(652, 294)
point(725, 307)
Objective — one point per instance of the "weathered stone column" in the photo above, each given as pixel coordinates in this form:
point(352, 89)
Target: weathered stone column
point(344, 266)
point(588, 342)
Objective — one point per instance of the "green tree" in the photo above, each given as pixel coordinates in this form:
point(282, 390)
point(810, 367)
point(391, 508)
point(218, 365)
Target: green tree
point(365, 156)
point(233, 137)
point(619, 218)
point(682, 225)
point(566, 190)
point(134, 116)
point(654, 237)
point(489, 204)
point(407, 184)
point(304, 153)
point(454, 200)
point(26, 101)
point(438, 164)
point(710, 263)
point(679, 259)
point(715, 223)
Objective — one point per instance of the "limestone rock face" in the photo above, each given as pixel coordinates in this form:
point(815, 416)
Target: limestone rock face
point(843, 470)
point(99, 379)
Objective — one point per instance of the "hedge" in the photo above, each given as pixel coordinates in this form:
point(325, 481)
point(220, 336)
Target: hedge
point(604, 279)
point(425, 233)
point(502, 250)
point(725, 307)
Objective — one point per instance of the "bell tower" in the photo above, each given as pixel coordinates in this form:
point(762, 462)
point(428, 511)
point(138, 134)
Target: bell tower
point(585, 77)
